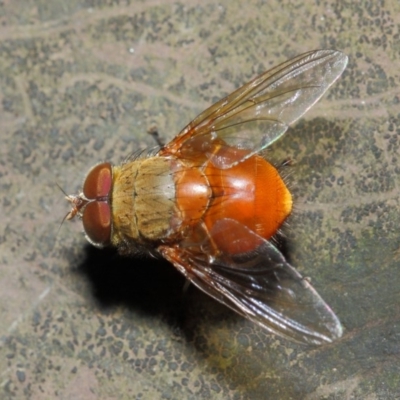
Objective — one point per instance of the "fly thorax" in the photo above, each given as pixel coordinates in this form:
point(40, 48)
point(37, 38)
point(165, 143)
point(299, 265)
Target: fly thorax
point(143, 201)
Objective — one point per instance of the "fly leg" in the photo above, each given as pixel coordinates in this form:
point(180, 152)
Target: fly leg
point(153, 131)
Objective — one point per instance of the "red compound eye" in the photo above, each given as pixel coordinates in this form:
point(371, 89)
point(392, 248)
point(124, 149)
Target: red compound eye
point(97, 222)
point(97, 213)
point(98, 182)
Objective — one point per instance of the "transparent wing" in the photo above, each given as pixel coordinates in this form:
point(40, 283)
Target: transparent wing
point(258, 113)
point(259, 285)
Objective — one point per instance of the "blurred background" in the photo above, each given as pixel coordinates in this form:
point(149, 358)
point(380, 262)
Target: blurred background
point(82, 82)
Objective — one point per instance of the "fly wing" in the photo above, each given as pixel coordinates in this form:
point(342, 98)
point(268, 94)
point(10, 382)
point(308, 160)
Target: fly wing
point(258, 113)
point(259, 285)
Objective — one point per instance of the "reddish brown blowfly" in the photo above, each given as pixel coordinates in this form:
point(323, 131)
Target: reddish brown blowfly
point(209, 204)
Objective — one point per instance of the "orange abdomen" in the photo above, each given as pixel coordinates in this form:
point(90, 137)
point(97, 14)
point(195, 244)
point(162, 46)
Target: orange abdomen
point(251, 193)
